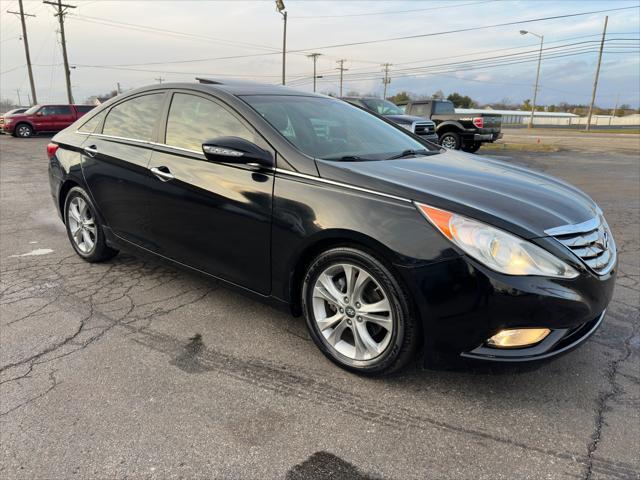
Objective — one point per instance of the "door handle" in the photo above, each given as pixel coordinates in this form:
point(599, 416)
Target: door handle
point(163, 173)
point(91, 150)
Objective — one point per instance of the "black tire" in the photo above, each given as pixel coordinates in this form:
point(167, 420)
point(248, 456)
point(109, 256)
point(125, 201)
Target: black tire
point(23, 130)
point(100, 251)
point(450, 140)
point(473, 148)
point(404, 338)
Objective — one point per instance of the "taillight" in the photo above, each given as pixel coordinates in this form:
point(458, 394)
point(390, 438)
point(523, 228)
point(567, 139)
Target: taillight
point(52, 148)
point(478, 122)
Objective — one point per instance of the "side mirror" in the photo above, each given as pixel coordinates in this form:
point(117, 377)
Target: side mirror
point(39, 114)
point(236, 150)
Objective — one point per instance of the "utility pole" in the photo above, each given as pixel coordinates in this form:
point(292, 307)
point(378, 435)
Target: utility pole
point(342, 70)
point(26, 48)
point(281, 8)
point(118, 89)
point(615, 109)
point(62, 8)
point(19, 99)
point(386, 80)
point(595, 80)
point(160, 80)
point(314, 56)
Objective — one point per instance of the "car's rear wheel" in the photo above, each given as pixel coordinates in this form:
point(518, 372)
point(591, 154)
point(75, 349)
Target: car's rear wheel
point(84, 228)
point(450, 140)
point(357, 313)
point(23, 130)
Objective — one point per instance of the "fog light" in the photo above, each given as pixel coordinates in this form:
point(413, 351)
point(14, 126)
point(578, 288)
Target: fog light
point(518, 337)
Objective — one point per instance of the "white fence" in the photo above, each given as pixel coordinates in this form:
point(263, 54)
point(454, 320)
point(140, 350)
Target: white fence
point(596, 120)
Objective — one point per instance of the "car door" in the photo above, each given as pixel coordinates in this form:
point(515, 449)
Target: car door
point(64, 117)
point(115, 161)
point(45, 119)
point(214, 217)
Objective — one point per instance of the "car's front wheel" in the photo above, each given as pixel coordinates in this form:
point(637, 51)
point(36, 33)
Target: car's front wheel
point(357, 312)
point(450, 140)
point(23, 130)
point(84, 228)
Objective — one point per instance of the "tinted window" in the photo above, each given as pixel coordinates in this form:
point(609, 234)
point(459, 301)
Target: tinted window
point(382, 107)
point(63, 110)
point(193, 119)
point(91, 125)
point(444, 107)
point(331, 129)
point(46, 111)
point(134, 118)
point(84, 108)
point(421, 110)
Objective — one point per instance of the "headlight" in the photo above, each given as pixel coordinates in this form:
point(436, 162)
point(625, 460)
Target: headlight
point(495, 248)
point(406, 126)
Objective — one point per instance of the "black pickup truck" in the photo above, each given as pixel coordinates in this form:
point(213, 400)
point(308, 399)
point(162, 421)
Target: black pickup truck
point(425, 129)
point(457, 130)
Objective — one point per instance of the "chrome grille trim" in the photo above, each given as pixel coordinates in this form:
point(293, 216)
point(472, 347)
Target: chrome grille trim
point(590, 241)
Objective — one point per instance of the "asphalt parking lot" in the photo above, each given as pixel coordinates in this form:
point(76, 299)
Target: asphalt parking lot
point(131, 369)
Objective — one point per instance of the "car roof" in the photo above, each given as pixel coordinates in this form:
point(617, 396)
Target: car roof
point(234, 87)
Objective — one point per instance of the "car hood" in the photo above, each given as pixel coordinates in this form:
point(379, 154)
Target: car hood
point(510, 197)
point(405, 119)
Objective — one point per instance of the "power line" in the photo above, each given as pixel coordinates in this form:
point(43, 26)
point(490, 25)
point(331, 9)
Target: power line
point(392, 12)
point(461, 30)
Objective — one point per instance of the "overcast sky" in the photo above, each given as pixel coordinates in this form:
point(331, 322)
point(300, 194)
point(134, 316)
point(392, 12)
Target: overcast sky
point(136, 42)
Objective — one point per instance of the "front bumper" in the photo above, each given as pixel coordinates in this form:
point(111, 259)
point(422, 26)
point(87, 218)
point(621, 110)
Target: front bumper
point(7, 128)
point(558, 342)
point(462, 304)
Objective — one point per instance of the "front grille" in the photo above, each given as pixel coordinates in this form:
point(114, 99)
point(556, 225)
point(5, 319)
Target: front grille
point(591, 241)
point(424, 128)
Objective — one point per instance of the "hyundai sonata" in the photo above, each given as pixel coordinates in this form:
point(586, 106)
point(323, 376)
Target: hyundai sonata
point(386, 243)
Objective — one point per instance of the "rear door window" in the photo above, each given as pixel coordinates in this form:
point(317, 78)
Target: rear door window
point(63, 110)
point(194, 119)
point(134, 118)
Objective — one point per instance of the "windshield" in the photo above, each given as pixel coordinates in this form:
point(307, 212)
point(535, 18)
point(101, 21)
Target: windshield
point(382, 107)
point(334, 130)
point(33, 110)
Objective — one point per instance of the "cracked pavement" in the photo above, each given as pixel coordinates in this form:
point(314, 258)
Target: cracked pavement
point(132, 369)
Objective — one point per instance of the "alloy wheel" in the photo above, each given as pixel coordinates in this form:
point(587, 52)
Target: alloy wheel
point(449, 142)
point(352, 311)
point(82, 225)
point(24, 131)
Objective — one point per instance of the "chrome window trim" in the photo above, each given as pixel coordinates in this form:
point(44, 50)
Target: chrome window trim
point(276, 170)
point(340, 184)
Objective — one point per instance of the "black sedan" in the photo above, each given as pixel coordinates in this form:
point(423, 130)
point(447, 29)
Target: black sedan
point(386, 243)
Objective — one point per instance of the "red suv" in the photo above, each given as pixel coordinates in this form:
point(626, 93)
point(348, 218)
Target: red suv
point(43, 118)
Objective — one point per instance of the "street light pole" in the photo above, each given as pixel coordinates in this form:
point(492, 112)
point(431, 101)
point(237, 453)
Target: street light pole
point(535, 91)
point(281, 8)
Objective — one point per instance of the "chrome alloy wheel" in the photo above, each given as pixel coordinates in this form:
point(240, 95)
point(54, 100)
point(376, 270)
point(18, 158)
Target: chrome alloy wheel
point(352, 311)
point(449, 142)
point(82, 225)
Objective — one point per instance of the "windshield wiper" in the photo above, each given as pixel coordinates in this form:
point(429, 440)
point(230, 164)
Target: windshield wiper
point(350, 158)
point(408, 153)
